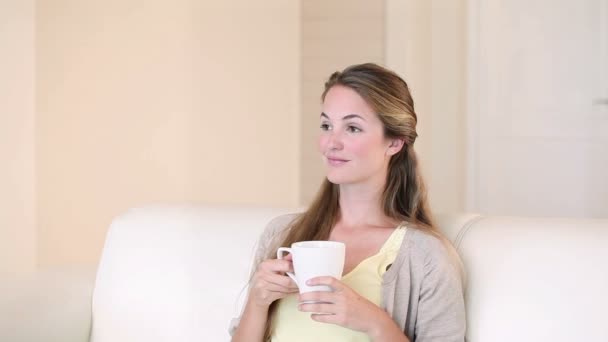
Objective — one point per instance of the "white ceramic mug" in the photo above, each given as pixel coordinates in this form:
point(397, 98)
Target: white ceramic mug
point(314, 259)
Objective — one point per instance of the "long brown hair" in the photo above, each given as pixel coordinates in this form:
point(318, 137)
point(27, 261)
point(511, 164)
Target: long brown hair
point(404, 197)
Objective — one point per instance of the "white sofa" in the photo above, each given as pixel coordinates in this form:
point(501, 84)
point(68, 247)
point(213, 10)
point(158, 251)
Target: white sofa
point(176, 273)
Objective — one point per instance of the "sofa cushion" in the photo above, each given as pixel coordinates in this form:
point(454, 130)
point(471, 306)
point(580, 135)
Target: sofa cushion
point(175, 273)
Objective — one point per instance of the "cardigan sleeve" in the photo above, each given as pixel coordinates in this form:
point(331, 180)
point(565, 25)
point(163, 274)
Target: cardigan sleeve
point(441, 310)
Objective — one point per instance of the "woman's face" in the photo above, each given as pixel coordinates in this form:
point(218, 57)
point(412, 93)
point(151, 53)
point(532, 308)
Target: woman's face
point(352, 142)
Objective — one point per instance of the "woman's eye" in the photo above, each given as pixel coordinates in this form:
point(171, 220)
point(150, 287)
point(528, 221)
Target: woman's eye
point(353, 129)
point(325, 127)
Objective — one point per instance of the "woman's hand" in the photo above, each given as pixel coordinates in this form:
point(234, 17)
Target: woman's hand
point(347, 308)
point(270, 283)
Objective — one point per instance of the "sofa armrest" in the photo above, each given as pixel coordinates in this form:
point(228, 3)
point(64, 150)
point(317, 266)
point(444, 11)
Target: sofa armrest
point(48, 305)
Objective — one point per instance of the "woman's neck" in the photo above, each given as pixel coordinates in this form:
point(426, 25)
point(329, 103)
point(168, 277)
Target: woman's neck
point(361, 205)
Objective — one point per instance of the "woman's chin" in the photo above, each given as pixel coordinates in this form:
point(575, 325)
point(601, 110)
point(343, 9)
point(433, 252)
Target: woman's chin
point(338, 179)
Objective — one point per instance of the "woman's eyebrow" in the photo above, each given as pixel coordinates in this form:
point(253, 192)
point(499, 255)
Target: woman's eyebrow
point(346, 117)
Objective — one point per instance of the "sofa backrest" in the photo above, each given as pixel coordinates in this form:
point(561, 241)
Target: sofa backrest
point(179, 273)
point(175, 273)
point(534, 279)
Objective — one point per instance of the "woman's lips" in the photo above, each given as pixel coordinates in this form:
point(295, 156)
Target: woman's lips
point(336, 161)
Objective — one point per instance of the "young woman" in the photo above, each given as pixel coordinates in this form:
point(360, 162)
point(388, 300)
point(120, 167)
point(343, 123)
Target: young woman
point(402, 280)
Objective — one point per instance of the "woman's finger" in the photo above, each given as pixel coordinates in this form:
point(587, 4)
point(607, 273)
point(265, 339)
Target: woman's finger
point(271, 287)
point(328, 281)
point(318, 308)
point(276, 265)
point(317, 296)
point(332, 319)
point(280, 280)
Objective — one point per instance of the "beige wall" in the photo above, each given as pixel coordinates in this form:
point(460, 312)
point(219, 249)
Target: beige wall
point(143, 102)
point(197, 101)
point(17, 186)
point(333, 37)
point(448, 126)
point(425, 42)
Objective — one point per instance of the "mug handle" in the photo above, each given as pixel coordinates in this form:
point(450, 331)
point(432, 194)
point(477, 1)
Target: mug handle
point(280, 256)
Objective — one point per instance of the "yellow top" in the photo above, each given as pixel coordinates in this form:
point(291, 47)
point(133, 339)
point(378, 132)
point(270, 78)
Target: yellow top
point(292, 325)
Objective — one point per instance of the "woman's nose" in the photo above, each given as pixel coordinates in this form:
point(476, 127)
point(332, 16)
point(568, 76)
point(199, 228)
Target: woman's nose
point(335, 141)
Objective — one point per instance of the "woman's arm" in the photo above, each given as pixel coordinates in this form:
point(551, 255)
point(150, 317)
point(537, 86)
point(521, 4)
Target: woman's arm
point(252, 325)
point(441, 310)
point(387, 331)
point(267, 285)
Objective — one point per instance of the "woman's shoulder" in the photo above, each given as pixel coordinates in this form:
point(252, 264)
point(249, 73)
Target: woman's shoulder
point(272, 234)
point(276, 228)
point(279, 224)
point(425, 241)
point(430, 247)
point(434, 251)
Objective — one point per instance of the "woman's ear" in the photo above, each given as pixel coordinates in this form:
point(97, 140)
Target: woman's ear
point(395, 146)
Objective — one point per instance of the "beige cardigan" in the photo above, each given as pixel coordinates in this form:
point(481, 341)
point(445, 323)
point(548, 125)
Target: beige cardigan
point(422, 291)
